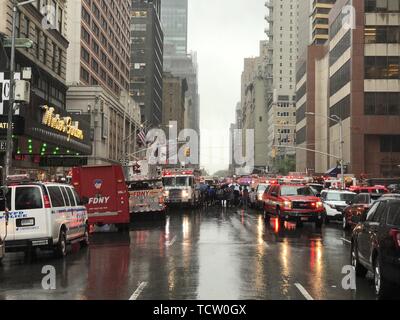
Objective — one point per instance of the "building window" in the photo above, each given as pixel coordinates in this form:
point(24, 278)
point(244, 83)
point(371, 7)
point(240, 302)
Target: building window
point(382, 103)
point(390, 143)
point(382, 34)
point(340, 78)
point(85, 75)
point(382, 67)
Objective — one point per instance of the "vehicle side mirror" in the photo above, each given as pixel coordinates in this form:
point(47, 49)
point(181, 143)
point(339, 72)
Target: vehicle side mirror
point(85, 200)
point(274, 194)
point(318, 195)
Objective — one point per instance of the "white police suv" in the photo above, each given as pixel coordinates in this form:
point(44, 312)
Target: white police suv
point(42, 215)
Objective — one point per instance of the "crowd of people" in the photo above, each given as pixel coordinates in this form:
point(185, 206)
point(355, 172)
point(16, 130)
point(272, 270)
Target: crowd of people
point(225, 195)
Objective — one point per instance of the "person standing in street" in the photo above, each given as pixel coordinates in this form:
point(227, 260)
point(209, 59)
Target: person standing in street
point(245, 197)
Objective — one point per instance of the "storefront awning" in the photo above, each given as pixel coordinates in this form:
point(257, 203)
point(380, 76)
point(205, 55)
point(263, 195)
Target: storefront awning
point(333, 172)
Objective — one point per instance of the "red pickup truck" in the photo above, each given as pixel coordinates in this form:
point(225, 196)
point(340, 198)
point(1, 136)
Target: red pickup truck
point(296, 203)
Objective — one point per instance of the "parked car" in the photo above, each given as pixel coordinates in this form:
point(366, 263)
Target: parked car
point(296, 203)
point(45, 216)
point(375, 245)
point(335, 201)
point(257, 196)
point(361, 203)
point(374, 189)
point(317, 188)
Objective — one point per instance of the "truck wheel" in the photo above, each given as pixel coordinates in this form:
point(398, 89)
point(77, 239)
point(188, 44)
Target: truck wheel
point(85, 242)
point(123, 227)
point(61, 248)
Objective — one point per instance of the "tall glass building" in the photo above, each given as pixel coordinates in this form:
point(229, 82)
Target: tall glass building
point(174, 18)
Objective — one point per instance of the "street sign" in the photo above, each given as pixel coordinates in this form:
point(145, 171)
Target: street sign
point(19, 43)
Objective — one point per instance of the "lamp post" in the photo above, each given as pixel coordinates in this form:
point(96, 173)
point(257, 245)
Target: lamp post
point(9, 150)
point(338, 120)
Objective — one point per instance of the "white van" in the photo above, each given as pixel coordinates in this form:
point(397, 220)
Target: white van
point(45, 216)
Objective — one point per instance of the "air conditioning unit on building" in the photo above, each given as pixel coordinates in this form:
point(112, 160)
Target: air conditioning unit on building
point(22, 91)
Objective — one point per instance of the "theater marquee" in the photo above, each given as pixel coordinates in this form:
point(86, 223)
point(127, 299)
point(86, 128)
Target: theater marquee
point(61, 124)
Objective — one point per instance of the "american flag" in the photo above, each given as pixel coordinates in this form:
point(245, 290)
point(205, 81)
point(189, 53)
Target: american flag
point(142, 136)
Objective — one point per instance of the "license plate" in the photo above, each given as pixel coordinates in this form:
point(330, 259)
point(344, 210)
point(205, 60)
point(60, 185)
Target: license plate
point(304, 219)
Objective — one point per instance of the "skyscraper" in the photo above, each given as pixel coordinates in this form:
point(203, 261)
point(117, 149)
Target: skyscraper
point(98, 53)
point(146, 78)
point(177, 60)
point(281, 101)
point(174, 17)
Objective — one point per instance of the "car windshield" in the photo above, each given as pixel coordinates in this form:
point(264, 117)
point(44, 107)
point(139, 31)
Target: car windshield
point(262, 187)
point(296, 191)
point(336, 196)
point(176, 181)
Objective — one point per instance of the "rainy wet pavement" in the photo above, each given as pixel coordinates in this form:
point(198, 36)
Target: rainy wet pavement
point(214, 253)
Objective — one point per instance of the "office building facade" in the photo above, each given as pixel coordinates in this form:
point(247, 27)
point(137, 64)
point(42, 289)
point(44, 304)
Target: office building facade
point(147, 59)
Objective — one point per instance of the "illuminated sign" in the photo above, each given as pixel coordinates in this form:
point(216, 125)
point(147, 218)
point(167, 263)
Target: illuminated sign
point(62, 124)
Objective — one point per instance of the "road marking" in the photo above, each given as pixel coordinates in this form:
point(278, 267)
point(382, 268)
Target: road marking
point(303, 291)
point(345, 240)
point(138, 291)
point(170, 243)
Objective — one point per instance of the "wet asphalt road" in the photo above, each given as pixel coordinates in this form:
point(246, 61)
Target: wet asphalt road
point(218, 253)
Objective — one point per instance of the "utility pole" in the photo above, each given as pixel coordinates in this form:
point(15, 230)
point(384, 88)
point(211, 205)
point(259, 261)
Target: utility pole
point(338, 120)
point(9, 150)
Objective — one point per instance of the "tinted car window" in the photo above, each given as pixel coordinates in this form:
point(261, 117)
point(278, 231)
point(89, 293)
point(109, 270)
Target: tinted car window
point(71, 196)
point(28, 198)
point(393, 217)
point(296, 191)
point(379, 212)
point(64, 193)
point(57, 199)
point(371, 212)
point(77, 198)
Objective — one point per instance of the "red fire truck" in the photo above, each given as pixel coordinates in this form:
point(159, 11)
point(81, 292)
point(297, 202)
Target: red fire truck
point(105, 194)
point(180, 186)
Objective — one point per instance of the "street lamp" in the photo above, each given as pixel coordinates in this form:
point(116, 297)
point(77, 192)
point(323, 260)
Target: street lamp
point(338, 120)
point(9, 150)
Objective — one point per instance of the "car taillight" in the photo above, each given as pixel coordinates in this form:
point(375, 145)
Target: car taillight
point(395, 233)
point(319, 205)
point(47, 203)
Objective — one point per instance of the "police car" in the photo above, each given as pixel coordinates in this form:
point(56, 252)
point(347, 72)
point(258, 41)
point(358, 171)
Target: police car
point(42, 215)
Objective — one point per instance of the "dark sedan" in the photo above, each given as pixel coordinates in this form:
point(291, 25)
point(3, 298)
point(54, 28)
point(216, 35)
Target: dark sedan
point(375, 245)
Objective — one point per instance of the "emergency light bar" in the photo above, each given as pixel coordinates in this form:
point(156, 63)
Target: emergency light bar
point(19, 178)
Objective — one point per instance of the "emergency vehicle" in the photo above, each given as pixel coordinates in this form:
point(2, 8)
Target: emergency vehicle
point(105, 194)
point(180, 187)
point(146, 195)
point(42, 215)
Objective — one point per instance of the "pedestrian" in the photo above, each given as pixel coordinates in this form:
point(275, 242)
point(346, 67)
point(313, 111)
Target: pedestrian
point(236, 194)
point(245, 197)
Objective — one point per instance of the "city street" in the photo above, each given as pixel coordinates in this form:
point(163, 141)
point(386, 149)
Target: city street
point(216, 253)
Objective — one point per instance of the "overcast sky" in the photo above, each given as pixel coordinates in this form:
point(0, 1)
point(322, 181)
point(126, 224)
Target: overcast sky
point(223, 32)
